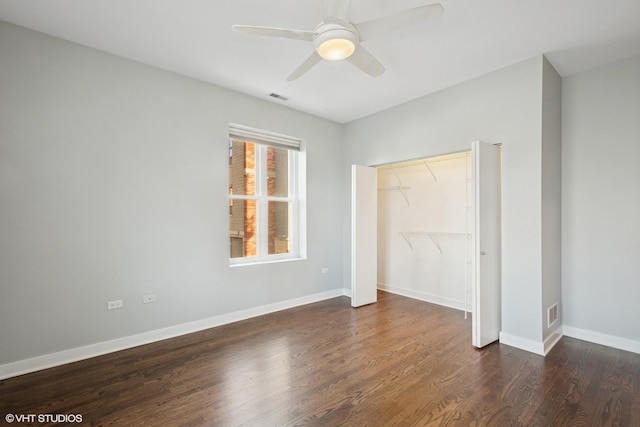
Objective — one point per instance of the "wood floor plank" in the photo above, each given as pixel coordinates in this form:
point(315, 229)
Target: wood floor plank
point(400, 362)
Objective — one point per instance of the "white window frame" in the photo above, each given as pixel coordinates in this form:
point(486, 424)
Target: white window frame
point(296, 197)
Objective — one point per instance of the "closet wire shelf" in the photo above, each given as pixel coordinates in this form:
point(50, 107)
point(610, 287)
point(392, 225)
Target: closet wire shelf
point(433, 235)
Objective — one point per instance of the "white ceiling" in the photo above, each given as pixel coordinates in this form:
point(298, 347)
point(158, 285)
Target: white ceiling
point(474, 37)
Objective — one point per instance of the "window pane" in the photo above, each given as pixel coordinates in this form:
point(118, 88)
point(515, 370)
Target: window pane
point(242, 230)
point(277, 172)
point(279, 228)
point(242, 168)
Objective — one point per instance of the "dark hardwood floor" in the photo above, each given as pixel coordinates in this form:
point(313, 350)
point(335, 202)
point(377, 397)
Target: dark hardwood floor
point(398, 362)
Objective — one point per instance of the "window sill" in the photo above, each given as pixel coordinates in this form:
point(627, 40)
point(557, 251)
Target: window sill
point(264, 261)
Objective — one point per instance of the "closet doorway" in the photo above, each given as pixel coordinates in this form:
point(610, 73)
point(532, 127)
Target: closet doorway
point(438, 234)
point(424, 229)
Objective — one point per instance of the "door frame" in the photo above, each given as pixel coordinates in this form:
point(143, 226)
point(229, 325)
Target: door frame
point(357, 250)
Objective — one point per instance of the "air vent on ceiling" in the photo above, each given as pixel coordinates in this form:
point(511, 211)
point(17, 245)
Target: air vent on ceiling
point(278, 96)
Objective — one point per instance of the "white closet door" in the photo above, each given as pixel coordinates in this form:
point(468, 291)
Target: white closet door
point(364, 235)
point(486, 257)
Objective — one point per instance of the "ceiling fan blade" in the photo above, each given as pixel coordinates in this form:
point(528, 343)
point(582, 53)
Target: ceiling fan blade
point(398, 21)
point(283, 33)
point(339, 8)
point(366, 62)
point(306, 66)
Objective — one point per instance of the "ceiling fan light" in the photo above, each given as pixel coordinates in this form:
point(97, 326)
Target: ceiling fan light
point(336, 49)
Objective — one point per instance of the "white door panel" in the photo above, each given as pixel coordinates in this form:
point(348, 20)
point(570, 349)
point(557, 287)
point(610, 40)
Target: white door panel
point(486, 257)
point(364, 239)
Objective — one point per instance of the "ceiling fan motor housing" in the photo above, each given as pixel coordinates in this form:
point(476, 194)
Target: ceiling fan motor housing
point(335, 40)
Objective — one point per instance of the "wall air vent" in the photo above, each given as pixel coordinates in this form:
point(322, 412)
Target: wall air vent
point(277, 96)
point(552, 315)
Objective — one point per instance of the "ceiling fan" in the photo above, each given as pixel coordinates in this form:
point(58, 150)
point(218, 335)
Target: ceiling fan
point(336, 38)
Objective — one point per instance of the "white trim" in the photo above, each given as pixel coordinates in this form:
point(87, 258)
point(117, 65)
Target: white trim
point(422, 296)
point(522, 343)
point(296, 187)
point(85, 352)
point(273, 259)
point(603, 339)
point(552, 339)
point(540, 348)
point(260, 136)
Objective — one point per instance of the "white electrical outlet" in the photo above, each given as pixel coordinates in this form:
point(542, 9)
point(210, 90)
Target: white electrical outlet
point(324, 270)
point(149, 298)
point(115, 304)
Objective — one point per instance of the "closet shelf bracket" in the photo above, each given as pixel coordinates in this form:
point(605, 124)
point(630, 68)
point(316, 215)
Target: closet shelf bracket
point(407, 239)
point(435, 241)
point(430, 170)
point(432, 235)
point(400, 186)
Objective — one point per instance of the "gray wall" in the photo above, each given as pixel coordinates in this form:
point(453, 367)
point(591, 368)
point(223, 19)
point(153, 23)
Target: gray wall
point(601, 201)
point(501, 107)
point(113, 184)
point(551, 194)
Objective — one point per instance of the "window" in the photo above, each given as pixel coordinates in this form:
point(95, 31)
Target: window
point(265, 209)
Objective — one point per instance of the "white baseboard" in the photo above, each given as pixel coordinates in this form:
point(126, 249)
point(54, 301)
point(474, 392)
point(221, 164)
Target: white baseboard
point(526, 344)
point(553, 339)
point(569, 331)
point(37, 363)
point(538, 347)
point(602, 339)
point(422, 296)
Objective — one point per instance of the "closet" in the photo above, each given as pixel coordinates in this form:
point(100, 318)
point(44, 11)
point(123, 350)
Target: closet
point(431, 229)
point(424, 228)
